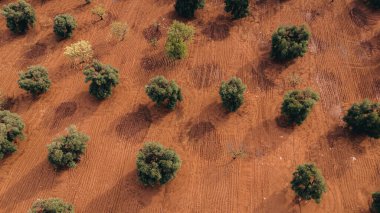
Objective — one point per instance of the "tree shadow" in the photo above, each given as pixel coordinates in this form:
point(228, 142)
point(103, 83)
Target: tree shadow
point(218, 29)
point(279, 198)
point(127, 195)
point(157, 61)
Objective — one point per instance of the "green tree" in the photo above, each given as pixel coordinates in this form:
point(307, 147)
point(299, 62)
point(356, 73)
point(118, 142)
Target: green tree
point(11, 128)
point(238, 8)
point(64, 25)
point(232, 93)
point(160, 90)
point(308, 183)
point(51, 205)
point(178, 36)
point(65, 151)
point(375, 4)
point(375, 206)
point(290, 42)
point(187, 8)
point(103, 78)
point(297, 105)
point(156, 165)
point(364, 118)
point(20, 16)
point(35, 80)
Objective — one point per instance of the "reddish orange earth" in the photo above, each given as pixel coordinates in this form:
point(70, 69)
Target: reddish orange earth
point(342, 64)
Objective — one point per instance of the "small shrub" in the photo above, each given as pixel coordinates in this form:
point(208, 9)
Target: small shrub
point(232, 94)
point(20, 16)
point(64, 25)
point(178, 36)
point(51, 205)
point(187, 8)
point(80, 51)
point(375, 4)
point(103, 78)
point(375, 206)
point(11, 128)
point(294, 80)
point(308, 183)
point(99, 11)
point(364, 118)
point(290, 42)
point(238, 8)
point(118, 30)
point(88, 1)
point(35, 80)
point(160, 90)
point(156, 165)
point(297, 105)
point(65, 151)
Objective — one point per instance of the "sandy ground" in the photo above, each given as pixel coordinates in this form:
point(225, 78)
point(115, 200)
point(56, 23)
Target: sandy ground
point(342, 65)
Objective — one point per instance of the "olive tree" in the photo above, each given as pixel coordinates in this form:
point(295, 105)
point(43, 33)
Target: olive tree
point(99, 11)
point(162, 91)
point(11, 128)
point(35, 80)
point(232, 93)
point(308, 183)
point(51, 205)
point(64, 25)
point(298, 104)
point(375, 4)
point(364, 118)
point(375, 205)
point(20, 16)
point(238, 8)
point(103, 78)
point(118, 30)
point(80, 51)
point(179, 35)
point(187, 8)
point(289, 42)
point(156, 165)
point(65, 151)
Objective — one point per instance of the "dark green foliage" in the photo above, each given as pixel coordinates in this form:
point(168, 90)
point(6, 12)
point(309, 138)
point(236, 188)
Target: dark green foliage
point(51, 205)
point(375, 4)
point(178, 36)
point(290, 42)
point(160, 90)
point(65, 151)
point(20, 16)
point(364, 118)
point(11, 127)
point(88, 1)
point(156, 165)
point(103, 78)
point(35, 80)
point(375, 206)
point(298, 104)
point(64, 25)
point(231, 93)
point(187, 8)
point(308, 183)
point(238, 8)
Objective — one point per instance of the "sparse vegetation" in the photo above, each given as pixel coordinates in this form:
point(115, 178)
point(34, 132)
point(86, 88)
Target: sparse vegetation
point(232, 94)
point(178, 36)
point(11, 128)
point(161, 91)
point(35, 80)
point(80, 51)
point(119, 30)
point(156, 165)
point(20, 16)
point(103, 78)
point(375, 4)
point(289, 42)
point(99, 11)
point(308, 183)
point(187, 8)
point(298, 104)
point(51, 205)
point(64, 25)
point(294, 80)
point(238, 8)
point(364, 118)
point(65, 151)
point(375, 205)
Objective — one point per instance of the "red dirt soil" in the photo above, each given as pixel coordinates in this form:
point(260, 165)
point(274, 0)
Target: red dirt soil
point(342, 65)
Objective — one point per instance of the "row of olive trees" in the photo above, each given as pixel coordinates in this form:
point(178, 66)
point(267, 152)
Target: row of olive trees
point(187, 8)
